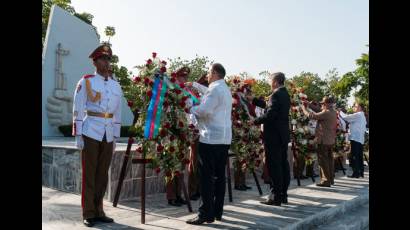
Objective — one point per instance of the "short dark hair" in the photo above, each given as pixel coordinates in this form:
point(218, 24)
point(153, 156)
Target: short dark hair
point(279, 77)
point(362, 106)
point(219, 69)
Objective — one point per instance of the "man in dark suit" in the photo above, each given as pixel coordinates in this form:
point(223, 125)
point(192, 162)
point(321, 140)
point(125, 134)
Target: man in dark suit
point(276, 138)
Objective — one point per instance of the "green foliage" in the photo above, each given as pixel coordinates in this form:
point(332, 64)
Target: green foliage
point(64, 4)
point(312, 85)
point(199, 66)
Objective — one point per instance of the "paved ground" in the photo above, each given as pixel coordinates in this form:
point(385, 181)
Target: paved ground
point(62, 210)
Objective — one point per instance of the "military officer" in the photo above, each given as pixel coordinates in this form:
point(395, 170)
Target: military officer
point(96, 125)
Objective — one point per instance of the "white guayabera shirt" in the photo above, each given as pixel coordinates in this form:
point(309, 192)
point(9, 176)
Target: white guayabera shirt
point(357, 125)
point(214, 114)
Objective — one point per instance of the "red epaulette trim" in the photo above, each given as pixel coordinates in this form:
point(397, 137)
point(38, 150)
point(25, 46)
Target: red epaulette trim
point(88, 76)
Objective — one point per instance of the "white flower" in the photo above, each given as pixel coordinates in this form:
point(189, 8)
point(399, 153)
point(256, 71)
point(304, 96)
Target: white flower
point(300, 130)
point(306, 128)
point(304, 142)
point(302, 95)
point(293, 122)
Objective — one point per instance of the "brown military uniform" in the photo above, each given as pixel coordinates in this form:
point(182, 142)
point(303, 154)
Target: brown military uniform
point(325, 136)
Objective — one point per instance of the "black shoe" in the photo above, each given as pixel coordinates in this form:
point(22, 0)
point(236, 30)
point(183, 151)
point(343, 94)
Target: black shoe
point(174, 203)
point(247, 187)
point(89, 222)
point(218, 218)
point(198, 221)
point(332, 183)
point(362, 175)
point(284, 200)
point(323, 185)
point(196, 196)
point(353, 176)
point(271, 202)
point(240, 188)
point(104, 219)
point(180, 201)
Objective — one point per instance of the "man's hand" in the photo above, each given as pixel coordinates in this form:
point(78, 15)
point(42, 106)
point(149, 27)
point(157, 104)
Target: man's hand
point(79, 142)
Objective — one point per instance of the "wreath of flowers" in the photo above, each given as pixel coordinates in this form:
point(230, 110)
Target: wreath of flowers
point(169, 149)
point(303, 136)
point(246, 139)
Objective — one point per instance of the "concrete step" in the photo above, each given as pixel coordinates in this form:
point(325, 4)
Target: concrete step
point(355, 219)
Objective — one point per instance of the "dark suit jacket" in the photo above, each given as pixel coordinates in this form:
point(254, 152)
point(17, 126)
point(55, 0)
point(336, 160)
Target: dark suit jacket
point(276, 118)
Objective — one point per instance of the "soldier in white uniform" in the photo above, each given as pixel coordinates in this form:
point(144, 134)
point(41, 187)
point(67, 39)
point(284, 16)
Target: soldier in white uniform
point(96, 125)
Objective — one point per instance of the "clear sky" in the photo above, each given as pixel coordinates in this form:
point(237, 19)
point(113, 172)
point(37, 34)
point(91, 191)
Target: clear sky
point(244, 35)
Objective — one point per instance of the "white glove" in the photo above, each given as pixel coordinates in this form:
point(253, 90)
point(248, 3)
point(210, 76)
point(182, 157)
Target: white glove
point(79, 142)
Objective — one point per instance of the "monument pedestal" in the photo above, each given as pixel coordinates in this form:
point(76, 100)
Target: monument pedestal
point(61, 163)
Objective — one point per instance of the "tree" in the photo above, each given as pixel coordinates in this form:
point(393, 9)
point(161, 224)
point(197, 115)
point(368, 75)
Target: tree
point(109, 32)
point(198, 66)
point(357, 80)
point(313, 86)
point(64, 4)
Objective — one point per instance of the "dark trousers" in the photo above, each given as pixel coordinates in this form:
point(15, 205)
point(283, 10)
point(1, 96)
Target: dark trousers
point(193, 178)
point(278, 167)
point(299, 165)
point(211, 169)
point(96, 158)
point(357, 157)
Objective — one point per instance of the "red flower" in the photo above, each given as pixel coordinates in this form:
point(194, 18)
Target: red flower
point(167, 125)
point(182, 137)
point(154, 55)
point(173, 80)
point(180, 124)
point(130, 140)
point(130, 103)
point(160, 148)
point(171, 149)
point(186, 161)
point(186, 110)
point(184, 98)
point(157, 170)
point(235, 81)
point(173, 75)
point(166, 104)
point(177, 173)
point(136, 79)
point(182, 85)
point(177, 91)
point(191, 126)
point(236, 96)
point(172, 138)
point(149, 93)
point(149, 62)
point(164, 62)
point(182, 104)
point(146, 81)
point(151, 83)
point(139, 149)
point(163, 69)
point(163, 133)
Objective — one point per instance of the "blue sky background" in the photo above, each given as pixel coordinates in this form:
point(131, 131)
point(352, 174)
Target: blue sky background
point(288, 36)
